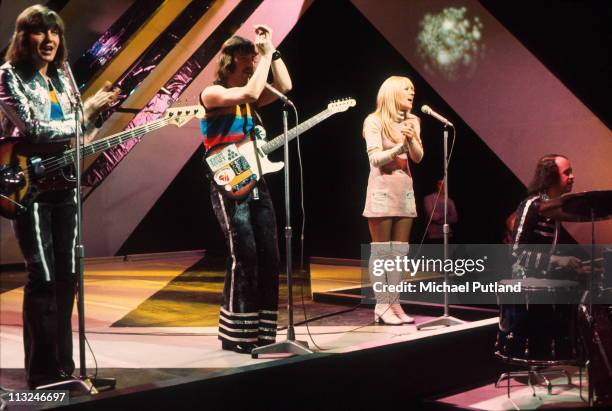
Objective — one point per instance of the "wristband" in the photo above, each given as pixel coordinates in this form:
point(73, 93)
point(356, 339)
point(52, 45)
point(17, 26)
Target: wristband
point(276, 55)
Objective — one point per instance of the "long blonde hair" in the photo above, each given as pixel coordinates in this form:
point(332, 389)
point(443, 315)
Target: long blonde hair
point(387, 108)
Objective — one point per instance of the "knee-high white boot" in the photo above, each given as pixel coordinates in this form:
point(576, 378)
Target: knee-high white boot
point(399, 249)
point(381, 251)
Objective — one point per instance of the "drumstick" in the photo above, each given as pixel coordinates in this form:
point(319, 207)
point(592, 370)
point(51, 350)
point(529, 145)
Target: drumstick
point(585, 262)
point(596, 260)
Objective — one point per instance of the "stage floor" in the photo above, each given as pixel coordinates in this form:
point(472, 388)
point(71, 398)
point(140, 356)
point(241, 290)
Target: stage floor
point(158, 314)
point(152, 321)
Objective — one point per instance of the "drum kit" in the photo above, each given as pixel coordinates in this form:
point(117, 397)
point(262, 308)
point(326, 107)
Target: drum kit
point(555, 322)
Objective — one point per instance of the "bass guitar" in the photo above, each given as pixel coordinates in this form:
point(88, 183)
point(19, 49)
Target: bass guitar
point(236, 167)
point(27, 169)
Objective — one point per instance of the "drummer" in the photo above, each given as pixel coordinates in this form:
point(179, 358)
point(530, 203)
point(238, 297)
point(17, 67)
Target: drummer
point(553, 177)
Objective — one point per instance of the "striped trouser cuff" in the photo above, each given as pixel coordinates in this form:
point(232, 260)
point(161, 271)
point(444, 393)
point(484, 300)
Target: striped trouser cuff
point(238, 327)
point(248, 327)
point(268, 321)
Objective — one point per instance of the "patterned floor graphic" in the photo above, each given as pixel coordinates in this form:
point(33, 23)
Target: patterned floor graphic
point(192, 299)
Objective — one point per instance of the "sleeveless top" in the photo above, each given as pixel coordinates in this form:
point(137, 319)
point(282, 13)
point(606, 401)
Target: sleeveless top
point(226, 125)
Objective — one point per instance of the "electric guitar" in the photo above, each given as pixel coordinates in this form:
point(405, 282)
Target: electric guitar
point(236, 167)
point(28, 169)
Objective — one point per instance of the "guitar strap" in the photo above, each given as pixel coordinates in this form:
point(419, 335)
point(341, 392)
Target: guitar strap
point(256, 122)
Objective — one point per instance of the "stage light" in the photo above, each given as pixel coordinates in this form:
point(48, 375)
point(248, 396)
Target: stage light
point(450, 43)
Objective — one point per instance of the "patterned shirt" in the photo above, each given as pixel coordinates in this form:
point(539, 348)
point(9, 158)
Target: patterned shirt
point(532, 238)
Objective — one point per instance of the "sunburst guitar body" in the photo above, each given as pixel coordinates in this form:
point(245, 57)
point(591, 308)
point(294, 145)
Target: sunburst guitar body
point(26, 169)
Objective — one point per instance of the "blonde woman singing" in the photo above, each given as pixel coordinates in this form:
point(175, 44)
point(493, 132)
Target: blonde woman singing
point(392, 136)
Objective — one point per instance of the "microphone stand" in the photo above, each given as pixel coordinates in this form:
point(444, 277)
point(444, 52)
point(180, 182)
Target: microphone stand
point(445, 320)
point(290, 345)
point(89, 384)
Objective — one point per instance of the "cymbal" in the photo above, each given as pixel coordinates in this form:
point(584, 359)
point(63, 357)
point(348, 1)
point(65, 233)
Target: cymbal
point(577, 207)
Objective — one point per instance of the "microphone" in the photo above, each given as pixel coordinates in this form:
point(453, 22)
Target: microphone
point(427, 110)
point(280, 95)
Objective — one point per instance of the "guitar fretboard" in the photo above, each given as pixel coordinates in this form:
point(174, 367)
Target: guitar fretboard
point(69, 157)
point(279, 141)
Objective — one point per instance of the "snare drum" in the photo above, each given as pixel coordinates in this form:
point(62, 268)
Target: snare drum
point(539, 323)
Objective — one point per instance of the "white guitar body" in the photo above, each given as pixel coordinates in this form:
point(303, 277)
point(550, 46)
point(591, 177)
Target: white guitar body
point(235, 166)
point(253, 155)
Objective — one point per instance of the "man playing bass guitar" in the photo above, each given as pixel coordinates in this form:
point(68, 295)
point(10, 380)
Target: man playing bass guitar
point(36, 110)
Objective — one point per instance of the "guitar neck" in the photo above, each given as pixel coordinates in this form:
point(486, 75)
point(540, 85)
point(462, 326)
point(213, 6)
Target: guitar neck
point(279, 141)
point(69, 156)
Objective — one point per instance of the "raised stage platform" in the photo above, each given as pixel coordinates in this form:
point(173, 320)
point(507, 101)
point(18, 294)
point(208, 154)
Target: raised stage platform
point(151, 323)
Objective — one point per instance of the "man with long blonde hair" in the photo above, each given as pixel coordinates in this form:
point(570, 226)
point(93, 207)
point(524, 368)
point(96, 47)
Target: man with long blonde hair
point(393, 135)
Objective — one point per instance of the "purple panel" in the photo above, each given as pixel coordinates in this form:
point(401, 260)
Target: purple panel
point(171, 91)
point(113, 40)
point(156, 52)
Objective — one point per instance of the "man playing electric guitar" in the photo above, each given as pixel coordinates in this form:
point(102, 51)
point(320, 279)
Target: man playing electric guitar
point(248, 315)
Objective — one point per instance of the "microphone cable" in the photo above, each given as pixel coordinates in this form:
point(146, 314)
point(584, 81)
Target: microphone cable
point(450, 155)
point(302, 236)
point(307, 320)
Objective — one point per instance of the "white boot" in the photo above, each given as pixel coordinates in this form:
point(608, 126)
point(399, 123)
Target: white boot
point(401, 315)
point(382, 311)
point(399, 249)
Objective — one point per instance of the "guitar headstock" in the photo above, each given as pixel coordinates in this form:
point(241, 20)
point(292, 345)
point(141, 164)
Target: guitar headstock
point(339, 106)
point(181, 115)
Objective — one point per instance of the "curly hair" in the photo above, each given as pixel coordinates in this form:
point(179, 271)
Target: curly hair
point(35, 18)
point(234, 45)
point(546, 174)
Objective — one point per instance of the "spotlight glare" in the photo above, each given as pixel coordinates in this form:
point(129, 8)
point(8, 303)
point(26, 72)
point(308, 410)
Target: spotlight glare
point(450, 43)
